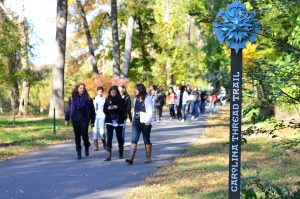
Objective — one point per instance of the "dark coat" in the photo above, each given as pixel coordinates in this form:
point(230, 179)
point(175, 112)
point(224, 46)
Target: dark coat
point(127, 102)
point(86, 113)
point(118, 113)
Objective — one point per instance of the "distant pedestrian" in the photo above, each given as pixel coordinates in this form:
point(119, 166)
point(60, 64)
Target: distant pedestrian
point(203, 99)
point(80, 111)
point(213, 102)
point(159, 103)
point(142, 122)
point(185, 103)
point(127, 101)
point(171, 102)
point(194, 104)
point(98, 130)
point(114, 109)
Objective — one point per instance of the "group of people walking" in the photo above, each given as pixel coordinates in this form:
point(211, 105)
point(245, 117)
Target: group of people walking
point(183, 101)
point(114, 110)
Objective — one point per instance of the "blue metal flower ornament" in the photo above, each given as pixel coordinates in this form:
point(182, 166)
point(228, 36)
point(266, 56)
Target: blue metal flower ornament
point(236, 26)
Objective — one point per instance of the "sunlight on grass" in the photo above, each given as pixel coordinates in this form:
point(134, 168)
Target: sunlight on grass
point(202, 172)
point(30, 134)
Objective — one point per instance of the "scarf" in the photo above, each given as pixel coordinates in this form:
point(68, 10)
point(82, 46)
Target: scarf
point(78, 102)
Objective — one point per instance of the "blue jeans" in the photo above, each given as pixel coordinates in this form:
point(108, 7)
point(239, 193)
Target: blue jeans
point(137, 129)
point(99, 128)
point(123, 130)
point(194, 107)
point(212, 107)
point(202, 106)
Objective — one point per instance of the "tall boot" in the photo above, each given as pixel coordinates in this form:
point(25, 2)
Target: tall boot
point(108, 156)
point(96, 145)
point(87, 153)
point(130, 159)
point(148, 148)
point(121, 153)
point(104, 144)
point(78, 149)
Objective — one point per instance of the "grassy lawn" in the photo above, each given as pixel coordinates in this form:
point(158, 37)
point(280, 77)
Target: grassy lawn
point(202, 172)
point(30, 134)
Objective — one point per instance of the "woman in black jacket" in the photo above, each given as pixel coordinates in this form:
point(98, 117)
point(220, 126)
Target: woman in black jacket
point(80, 111)
point(114, 109)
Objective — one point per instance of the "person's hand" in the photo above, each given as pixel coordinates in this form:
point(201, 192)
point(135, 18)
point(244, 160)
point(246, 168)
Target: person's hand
point(110, 107)
point(147, 123)
point(66, 123)
point(92, 125)
point(115, 106)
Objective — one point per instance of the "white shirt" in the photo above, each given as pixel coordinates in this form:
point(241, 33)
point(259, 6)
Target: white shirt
point(99, 105)
point(149, 109)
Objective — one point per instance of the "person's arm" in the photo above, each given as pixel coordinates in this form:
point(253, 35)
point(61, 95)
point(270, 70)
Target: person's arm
point(92, 112)
point(149, 110)
point(67, 113)
point(129, 108)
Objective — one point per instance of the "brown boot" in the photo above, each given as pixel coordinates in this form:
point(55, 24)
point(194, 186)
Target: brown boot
point(104, 144)
point(96, 146)
point(130, 159)
point(148, 148)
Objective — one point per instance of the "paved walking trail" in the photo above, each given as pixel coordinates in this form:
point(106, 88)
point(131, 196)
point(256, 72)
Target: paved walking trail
point(55, 173)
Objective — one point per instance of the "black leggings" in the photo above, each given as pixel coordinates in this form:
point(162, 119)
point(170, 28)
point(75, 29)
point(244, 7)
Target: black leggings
point(110, 134)
point(81, 130)
point(172, 110)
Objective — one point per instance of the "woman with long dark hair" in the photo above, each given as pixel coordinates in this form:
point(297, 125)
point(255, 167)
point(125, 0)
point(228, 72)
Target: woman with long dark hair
point(114, 109)
point(142, 122)
point(80, 111)
point(171, 102)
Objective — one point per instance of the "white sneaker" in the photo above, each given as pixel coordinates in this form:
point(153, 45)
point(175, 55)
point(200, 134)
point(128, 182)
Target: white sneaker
point(171, 118)
point(182, 120)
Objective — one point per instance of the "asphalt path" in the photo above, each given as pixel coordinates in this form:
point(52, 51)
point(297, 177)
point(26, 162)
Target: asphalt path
point(55, 173)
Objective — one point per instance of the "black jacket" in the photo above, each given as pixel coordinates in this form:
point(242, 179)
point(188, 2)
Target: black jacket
point(118, 113)
point(127, 102)
point(86, 113)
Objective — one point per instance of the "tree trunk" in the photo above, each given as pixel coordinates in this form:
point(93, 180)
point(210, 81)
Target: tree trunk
point(89, 39)
point(143, 50)
point(115, 39)
point(57, 98)
point(127, 48)
point(24, 98)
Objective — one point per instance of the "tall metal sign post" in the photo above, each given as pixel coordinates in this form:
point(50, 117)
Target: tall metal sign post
point(236, 26)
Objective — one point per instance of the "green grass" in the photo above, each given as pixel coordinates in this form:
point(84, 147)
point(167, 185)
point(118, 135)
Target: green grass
point(202, 172)
point(29, 134)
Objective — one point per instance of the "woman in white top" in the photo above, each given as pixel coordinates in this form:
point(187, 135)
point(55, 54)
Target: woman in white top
point(100, 118)
point(142, 122)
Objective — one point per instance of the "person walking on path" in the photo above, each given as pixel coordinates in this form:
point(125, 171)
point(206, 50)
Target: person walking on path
point(114, 109)
point(142, 122)
point(159, 103)
point(185, 102)
point(127, 101)
point(203, 99)
point(195, 104)
point(80, 111)
point(100, 118)
point(171, 102)
point(213, 102)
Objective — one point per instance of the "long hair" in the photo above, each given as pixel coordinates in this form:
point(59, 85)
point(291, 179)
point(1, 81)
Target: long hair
point(75, 90)
point(118, 95)
point(142, 91)
point(172, 91)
